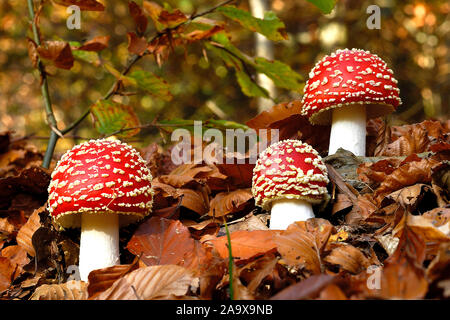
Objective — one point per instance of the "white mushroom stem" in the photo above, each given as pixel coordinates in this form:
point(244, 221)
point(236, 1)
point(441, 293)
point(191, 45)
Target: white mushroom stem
point(287, 211)
point(99, 242)
point(348, 129)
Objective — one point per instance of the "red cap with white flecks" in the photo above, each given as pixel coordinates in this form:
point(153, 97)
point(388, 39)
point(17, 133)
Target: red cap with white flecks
point(289, 169)
point(349, 77)
point(100, 176)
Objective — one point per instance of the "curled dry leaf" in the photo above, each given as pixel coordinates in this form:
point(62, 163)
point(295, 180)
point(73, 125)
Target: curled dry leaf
point(302, 243)
point(245, 244)
point(70, 290)
point(348, 258)
point(406, 175)
point(95, 44)
point(256, 271)
point(84, 5)
point(149, 283)
point(139, 18)
point(306, 289)
point(229, 202)
point(193, 200)
point(101, 279)
point(58, 52)
point(136, 45)
point(27, 230)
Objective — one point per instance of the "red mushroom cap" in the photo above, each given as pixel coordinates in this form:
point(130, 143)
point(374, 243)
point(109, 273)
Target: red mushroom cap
point(289, 169)
point(100, 176)
point(349, 77)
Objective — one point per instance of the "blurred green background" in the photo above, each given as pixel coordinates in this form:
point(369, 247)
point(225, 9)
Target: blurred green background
point(413, 39)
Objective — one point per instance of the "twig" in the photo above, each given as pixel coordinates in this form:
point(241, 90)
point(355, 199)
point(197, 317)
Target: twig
point(45, 93)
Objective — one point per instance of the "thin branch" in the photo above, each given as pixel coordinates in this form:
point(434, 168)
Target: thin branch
point(45, 93)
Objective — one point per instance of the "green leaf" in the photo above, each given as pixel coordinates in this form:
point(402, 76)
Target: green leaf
point(110, 117)
point(326, 6)
point(249, 87)
point(271, 27)
point(281, 74)
point(151, 83)
point(207, 124)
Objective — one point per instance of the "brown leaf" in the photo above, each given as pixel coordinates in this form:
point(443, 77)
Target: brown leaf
point(194, 201)
point(95, 44)
point(160, 241)
point(256, 271)
point(302, 243)
point(85, 5)
point(406, 175)
point(332, 292)
point(348, 258)
point(306, 289)
point(246, 244)
point(7, 269)
point(58, 52)
point(101, 279)
point(18, 258)
point(229, 202)
point(27, 230)
point(71, 290)
point(136, 45)
point(139, 18)
point(32, 52)
point(197, 35)
point(172, 19)
point(151, 283)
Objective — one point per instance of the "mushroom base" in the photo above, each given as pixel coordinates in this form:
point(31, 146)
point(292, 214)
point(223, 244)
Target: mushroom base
point(287, 211)
point(99, 242)
point(348, 129)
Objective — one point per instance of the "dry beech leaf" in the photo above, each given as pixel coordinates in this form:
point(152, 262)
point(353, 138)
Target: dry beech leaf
point(302, 243)
point(309, 288)
point(17, 256)
point(193, 200)
point(438, 266)
point(7, 270)
point(27, 230)
point(406, 175)
point(229, 202)
point(70, 290)
point(95, 44)
point(102, 279)
point(438, 216)
point(403, 276)
point(256, 271)
point(149, 283)
point(332, 292)
point(160, 241)
point(136, 44)
point(84, 5)
point(246, 244)
point(348, 258)
point(139, 18)
point(58, 52)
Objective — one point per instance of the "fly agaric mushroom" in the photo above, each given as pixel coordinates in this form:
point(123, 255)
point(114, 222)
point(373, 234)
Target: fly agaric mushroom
point(99, 186)
point(345, 89)
point(288, 177)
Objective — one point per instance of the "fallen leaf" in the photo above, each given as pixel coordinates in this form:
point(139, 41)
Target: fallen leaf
point(70, 290)
point(302, 243)
point(27, 230)
point(348, 258)
point(101, 279)
point(229, 202)
point(151, 283)
point(309, 288)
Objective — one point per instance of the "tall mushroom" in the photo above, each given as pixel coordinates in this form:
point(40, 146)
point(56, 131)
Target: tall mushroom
point(345, 89)
point(288, 177)
point(99, 186)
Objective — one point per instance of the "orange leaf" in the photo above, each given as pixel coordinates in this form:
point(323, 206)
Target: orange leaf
point(229, 202)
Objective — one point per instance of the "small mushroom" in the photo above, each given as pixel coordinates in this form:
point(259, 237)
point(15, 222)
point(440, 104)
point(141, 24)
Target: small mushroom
point(288, 177)
point(345, 89)
point(99, 186)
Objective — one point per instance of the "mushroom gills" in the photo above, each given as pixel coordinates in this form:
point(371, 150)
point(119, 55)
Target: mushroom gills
point(348, 129)
point(286, 211)
point(99, 242)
